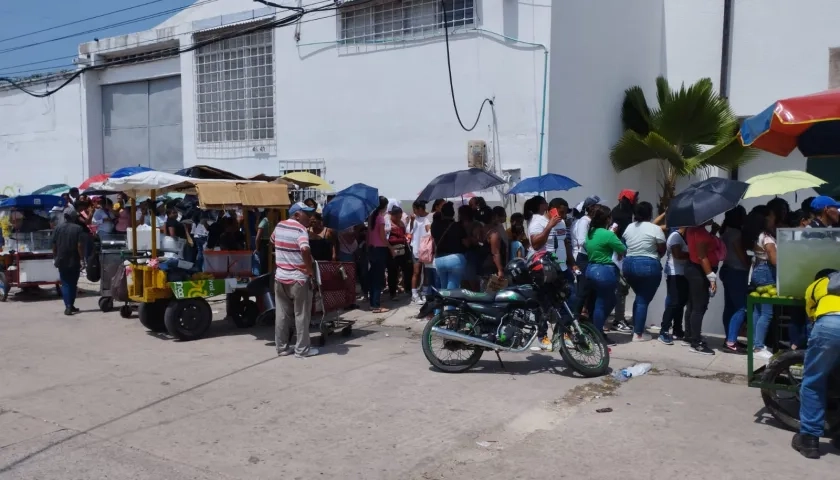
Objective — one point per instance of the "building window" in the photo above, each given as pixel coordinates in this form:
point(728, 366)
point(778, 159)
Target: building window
point(234, 81)
point(394, 20)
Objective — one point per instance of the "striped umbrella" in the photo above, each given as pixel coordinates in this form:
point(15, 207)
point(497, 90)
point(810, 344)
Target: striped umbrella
point(54, 189)
point(95, 181)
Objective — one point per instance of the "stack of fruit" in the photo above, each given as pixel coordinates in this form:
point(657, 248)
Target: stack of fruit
point(767, 291)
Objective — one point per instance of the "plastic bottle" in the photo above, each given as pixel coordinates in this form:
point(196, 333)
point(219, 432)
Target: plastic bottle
point(636, 370)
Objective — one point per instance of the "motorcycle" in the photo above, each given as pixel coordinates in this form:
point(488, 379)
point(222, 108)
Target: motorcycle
point(787, 370)
point(469, 323)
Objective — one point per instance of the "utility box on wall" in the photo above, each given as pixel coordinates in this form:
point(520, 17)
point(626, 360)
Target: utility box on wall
point(476, 154)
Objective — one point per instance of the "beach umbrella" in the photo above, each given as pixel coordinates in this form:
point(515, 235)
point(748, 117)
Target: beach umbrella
point(95, 181)
point(350, 206)
point(703, 201)
point(54, 189)
point(461, 182)
point(780, 183)
point(549, 182)
point(810, 123)
point(308, 180)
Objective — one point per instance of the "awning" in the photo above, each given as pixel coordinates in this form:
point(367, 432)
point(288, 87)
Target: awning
point(251, 195)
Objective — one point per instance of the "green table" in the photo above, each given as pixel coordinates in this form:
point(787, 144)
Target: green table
point(753, 374)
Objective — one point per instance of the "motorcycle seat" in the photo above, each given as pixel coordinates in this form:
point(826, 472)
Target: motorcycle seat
point(469, 295)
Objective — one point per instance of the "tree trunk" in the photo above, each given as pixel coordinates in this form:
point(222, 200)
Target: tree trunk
point(669, 189)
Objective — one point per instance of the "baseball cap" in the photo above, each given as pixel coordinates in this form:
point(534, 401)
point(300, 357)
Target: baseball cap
point(301, 207)
point(822, 202)
point(629, 194)
point(589, 201)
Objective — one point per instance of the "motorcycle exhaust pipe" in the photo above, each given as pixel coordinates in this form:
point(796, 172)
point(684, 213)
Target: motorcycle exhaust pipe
point(469, 340)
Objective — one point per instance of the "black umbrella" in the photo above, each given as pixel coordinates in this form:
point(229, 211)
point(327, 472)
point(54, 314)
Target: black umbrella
point(455, 184)
point(703, 201)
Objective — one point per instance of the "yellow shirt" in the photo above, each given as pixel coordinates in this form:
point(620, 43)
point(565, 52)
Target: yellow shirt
point(823, 297)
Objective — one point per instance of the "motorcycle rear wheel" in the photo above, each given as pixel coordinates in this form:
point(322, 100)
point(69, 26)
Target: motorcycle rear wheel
point(595, 347)
point(448, 365)
point(786, 369)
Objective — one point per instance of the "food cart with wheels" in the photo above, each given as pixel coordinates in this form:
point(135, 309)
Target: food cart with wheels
point(173, 298)
point(27, 259)
point(811, 124)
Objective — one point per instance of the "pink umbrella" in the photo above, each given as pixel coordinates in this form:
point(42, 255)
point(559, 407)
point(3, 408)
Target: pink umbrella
point(94, 181)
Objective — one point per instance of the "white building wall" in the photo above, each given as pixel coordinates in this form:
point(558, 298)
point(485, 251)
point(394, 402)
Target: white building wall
point(41, 138)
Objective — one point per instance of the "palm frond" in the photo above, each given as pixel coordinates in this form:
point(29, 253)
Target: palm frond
point(632, 149)
point(663, 91)
point(635, 113)
point(695, 115)
point(728, 155)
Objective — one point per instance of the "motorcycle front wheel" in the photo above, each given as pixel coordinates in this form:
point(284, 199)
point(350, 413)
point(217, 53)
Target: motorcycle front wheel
point(448, 355)
point(586, 352)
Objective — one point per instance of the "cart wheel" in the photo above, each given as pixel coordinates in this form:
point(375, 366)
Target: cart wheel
point(151, 316)
point(188, 319)
point(125, 311)
point(347, 331)
point(106, 304)
point(267, 317)
point(245, 314)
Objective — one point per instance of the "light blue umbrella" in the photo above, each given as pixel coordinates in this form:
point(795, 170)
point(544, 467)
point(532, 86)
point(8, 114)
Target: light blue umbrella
point(549, 182)
point(54, 189)
point(350, 207)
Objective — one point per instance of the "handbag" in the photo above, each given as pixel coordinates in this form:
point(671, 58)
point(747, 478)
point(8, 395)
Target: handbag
point(399, 250)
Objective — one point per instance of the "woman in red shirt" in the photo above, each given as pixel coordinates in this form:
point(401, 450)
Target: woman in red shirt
point(704, 252)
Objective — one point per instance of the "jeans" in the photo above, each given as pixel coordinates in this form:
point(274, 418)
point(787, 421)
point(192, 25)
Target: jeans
point(735, 284)
point(429, 279)
point(450, 269)
point(294, 306)
point(571, 292)
point(698, 302)
point(346, 257)
point(675, 304)
point(396, 265)
point(822, 357)
point(763, 274)
point(378, 258)
point(69, 285)
point(585, 294)
point(603, 280)
point(643, 274)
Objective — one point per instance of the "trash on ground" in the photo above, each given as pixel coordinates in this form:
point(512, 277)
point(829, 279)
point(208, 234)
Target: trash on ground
point(604, 410)
point(636, 370)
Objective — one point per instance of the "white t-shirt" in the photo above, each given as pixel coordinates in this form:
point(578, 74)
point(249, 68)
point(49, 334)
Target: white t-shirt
point(643, 240)
point(556, 242)
point(579, 231)
point(418, 231)
point(760, 250)
point(674, 266)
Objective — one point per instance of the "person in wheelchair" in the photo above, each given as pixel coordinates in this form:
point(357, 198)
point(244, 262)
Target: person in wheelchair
point(822, 305)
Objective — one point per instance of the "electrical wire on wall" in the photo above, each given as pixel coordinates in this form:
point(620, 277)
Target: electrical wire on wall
point(282, 22)
point(449, 68)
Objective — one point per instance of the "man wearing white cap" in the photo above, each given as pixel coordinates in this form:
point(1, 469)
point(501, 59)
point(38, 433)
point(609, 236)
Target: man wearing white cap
point(293, 282)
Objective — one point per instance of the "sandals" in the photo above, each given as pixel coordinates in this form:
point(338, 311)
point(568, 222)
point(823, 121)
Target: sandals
point(380, 310)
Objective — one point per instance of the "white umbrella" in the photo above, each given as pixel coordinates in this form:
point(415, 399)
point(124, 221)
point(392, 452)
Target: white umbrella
point(779, 183)
point(141, 184)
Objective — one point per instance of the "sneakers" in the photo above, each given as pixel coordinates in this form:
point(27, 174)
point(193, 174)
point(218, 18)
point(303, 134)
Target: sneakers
point(678, 335)
point(545, 345)
point(685, 343)
point(68, 311)
point(75, 309)
point(731, 347)
point(644, 337)
point(417, 300)
point(764, 354)
point(286, 352)
point(621, 326)
point(310, 352)
point(702, 349)
point(666, 339)
point(807, 445)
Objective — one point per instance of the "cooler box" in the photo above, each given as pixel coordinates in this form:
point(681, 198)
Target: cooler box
point(228, 263)
point(144, 238)
point(38, 270)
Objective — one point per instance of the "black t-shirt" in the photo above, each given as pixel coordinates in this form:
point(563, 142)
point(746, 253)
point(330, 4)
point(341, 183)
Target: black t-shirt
point(449, 237)
point(180, 231)
point(66, 239)
point(232, 240)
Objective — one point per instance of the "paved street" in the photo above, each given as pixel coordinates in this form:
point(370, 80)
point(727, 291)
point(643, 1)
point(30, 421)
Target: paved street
point(96, 396)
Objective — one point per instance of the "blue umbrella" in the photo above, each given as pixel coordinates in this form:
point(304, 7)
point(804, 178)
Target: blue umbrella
point(350, 207)
point(129, 171)
point(36, 202)
point(549, 182)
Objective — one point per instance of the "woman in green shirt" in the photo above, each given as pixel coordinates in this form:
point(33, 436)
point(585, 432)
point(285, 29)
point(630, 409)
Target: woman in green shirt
point(602, 273)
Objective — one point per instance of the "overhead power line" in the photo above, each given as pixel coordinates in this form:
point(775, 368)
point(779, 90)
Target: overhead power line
point(283, 22)
point(76, 22)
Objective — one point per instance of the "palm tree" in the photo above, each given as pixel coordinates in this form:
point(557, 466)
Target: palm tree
point(692, 129)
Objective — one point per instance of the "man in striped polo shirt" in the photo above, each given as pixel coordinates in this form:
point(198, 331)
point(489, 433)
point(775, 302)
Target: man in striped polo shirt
point(293, 282)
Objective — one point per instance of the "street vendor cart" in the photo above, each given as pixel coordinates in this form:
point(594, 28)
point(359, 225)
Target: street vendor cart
point(172, 296)
point(27, 258)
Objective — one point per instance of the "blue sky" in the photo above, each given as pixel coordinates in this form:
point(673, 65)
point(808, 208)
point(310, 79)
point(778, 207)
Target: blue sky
point(22, 17)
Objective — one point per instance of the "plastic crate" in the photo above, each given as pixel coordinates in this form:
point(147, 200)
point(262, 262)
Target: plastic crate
point(146, 284)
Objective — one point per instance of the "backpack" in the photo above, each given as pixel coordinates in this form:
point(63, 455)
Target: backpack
point(426, 254)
